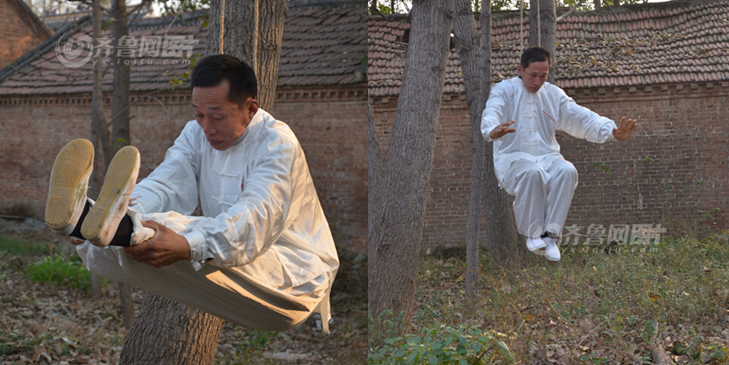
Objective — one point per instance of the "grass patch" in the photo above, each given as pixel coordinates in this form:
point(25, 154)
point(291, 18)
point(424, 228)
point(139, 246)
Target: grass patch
point(60, 271)
point(14, 247)
point(598, 305)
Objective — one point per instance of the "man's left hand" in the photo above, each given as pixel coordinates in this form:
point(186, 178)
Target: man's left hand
point(165, 248)
point(625, 129)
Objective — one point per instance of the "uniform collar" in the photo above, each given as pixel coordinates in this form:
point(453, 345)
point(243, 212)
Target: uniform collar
point(252, 129)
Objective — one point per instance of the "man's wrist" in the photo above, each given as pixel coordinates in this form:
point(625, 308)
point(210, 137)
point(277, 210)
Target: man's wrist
point(196, 241)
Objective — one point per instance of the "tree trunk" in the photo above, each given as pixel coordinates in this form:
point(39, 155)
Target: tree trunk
point(97, 122)
point(227, 34)
point(120, 124)
point(410, 160)
point(617, 3)
point(374, 191)
point(546, 19)
point(178, 335)
point(467, 41)
point(598, 4)
point(504, 246)
point(271, 17)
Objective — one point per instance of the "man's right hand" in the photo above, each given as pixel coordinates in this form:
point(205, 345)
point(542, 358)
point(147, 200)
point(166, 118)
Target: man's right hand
point(502, 130)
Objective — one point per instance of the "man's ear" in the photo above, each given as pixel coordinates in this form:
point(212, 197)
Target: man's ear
point(252, 108)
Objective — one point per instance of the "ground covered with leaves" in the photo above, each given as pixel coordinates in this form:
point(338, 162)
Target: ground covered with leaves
point(599, 305)
point(47, 316)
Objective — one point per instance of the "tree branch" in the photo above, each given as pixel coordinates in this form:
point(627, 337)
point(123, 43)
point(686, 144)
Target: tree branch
point(572, 9)
point(374, 7)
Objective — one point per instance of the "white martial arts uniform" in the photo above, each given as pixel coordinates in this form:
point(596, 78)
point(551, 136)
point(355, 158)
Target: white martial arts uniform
point(527, 162)
point(262, 255)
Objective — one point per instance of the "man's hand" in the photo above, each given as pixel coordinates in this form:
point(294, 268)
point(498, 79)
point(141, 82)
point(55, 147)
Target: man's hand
point(625, 129)
point(165, 248)
point(502, 130)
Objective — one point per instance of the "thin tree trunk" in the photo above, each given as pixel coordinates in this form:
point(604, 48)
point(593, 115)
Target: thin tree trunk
point(97, 120)
point(410, 160)
point(374, 191)
point(617, 3)
point(467, 41)
point(178, 335)
point(598, 4)
point(120, 125)
point(239, 38)
point(271, 16)
point(547, 36)
point(504, 246)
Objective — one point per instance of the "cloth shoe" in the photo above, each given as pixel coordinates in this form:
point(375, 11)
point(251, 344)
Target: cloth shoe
point(103, 218)
point(551, 252)
point(69, 183)
point(536, 245)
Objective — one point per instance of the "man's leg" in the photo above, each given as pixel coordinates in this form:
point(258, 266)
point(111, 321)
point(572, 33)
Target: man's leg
point(527, 181)
point(560, 190)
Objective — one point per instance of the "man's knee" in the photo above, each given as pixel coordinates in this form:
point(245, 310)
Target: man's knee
point(565, 170)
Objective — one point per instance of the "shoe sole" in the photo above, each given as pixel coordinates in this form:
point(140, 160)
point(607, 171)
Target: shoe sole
point(69, 182)
point(103, 218)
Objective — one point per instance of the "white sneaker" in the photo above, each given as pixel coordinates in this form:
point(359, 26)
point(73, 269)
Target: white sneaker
point(69, 181)
point(551, 252)
point(536, 245)
point(103, 218)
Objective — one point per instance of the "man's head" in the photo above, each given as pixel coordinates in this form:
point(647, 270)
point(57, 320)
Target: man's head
point(224, 98)
point(534, 68)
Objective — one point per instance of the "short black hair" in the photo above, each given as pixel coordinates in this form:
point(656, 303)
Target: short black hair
point(212, 70)
point(535, 54)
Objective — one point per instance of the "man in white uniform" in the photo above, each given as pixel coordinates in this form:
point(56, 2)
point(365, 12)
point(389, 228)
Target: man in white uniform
point(262, 254)
point(520, 117)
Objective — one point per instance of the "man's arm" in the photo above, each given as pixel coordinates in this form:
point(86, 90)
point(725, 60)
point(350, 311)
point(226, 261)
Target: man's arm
point(581, 122)
point(172, 186)
point(243, 232)
point(493, 119)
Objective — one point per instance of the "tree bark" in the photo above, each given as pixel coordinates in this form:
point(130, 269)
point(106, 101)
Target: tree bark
point(178, 335)
point(374, 189)
point(120, 124)
point(467, 42)
point(271, 16)
point(504, 246)
point(238, 38)
point(410, 160)
point(598, 4)
point(546, 36)
point(97, 122)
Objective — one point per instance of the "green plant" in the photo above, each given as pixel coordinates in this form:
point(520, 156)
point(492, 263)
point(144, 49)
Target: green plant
point(441, 344)
point(257, 340)
point(60, 271)
point(604, 167)
point(15, 247)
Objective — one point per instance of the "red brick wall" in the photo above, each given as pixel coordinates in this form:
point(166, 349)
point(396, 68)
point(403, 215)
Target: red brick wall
point(329, 126)
point(15, 37)
point(673, 171)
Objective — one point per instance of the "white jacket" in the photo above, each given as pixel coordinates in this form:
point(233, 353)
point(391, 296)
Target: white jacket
point(261, 212)
point(537, 116)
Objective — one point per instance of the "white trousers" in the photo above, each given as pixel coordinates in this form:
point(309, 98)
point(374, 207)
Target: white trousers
point(229, 293)
point(543, 195)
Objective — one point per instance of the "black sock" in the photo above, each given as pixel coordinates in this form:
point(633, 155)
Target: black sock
point(123, 234)
point(545, 235)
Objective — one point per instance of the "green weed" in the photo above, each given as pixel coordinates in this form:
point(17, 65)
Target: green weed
point(60, 271)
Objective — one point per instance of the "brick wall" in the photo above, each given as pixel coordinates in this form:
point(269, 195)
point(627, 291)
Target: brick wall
point(673, 171)
point(329, 125)
point(15, 37)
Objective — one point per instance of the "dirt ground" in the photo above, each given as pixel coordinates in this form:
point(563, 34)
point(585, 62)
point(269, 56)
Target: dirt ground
point(41, 323)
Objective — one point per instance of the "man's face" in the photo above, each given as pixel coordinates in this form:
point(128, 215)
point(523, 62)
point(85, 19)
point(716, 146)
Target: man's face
point(535, 75)
point(221, 119)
